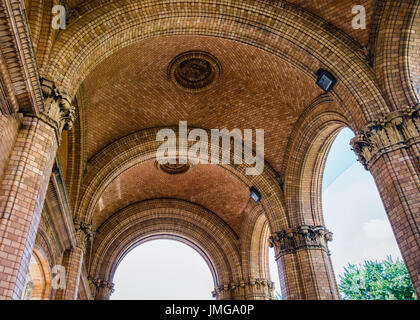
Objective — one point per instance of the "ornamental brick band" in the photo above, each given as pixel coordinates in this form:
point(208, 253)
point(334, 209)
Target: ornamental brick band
point(399, 129)
point(301, 237)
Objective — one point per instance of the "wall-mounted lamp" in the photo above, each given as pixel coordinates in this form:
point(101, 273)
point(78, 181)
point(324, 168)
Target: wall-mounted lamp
point(326, 80)
point(255, 195)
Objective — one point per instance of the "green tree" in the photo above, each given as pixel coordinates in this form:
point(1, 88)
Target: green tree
point(384, 280)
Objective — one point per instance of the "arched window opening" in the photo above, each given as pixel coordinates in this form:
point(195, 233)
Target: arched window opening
point(163, 270)
point(274, 274)
point(38, 279)
point(353, 211)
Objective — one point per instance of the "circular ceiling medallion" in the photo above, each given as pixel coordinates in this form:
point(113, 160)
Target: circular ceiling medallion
point(177, 168)
point(194, 71)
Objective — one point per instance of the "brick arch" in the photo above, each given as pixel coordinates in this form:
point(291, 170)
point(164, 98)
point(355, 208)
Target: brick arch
point(174, 238)
point(39, 268)
point(397, 65)
point(413, 54)
point(99, 29)
point(141, 146)
point(305, 159)
point(254, 236)
point(44, 245)
point(167, 218)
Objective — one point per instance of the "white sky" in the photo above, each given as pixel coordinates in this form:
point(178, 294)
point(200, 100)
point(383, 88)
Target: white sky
point(353, 211)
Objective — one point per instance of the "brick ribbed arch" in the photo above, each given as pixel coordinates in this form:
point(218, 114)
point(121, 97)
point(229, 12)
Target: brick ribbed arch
point(167, 218)
point(101, 28)
point(305, 159)
point(397, 62)
point(141, 146)
point(254, 242)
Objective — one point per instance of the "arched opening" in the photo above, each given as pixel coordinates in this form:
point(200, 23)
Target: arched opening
point(353, 210)
point(274, 273)
point(163, 269)
point(38, 279)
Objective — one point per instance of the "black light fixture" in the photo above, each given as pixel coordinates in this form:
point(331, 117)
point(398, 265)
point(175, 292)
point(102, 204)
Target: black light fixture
point(326, 80)
point(255, 195)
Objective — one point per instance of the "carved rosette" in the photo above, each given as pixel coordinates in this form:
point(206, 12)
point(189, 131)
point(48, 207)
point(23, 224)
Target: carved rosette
point(301, 237)
point(59, 111)
point(400, 129)
point(261, 288)
point(84, 234)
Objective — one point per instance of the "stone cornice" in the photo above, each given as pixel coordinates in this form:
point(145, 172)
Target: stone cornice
point(301, 237)
point(399, 129)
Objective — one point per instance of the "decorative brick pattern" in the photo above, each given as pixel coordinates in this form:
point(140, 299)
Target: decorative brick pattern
point(9, 126)
point(28, 171)
point(109, 67)
point(395, 53)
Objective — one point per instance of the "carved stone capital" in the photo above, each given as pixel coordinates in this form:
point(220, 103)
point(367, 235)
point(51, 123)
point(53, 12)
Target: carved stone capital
point(101, 288)
point(59, 111)
point(301, 237)
point(245, 288)
point(84, 233)
point(399, 129)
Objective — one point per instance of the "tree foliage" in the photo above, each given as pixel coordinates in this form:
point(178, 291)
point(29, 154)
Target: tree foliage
point(384, 280)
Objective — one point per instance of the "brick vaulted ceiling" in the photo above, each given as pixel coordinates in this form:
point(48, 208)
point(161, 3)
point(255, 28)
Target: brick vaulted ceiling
point(335, 12)
point(130, 91)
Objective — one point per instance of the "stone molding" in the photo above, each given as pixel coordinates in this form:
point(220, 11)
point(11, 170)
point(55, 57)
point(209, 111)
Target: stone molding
point(399, 129)
point(301, 237)
point(257, 286)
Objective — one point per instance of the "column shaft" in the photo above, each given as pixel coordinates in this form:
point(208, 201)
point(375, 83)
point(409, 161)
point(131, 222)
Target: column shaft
point(390, 149)
point(397, 178)
point(72, 262)
point(22, 193)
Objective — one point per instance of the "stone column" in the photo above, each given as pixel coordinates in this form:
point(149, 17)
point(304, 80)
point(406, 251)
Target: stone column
point(251, 289)
point(390, 149)
point(24, 185)
point(305, 268)
point(73, 261)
